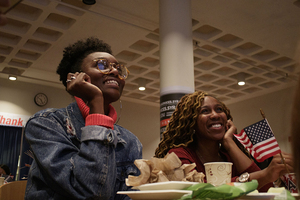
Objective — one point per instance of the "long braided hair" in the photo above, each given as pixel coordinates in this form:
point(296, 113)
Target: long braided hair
point(180, 130)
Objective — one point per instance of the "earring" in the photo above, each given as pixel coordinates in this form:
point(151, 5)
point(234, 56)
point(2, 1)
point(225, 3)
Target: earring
point(119, 116)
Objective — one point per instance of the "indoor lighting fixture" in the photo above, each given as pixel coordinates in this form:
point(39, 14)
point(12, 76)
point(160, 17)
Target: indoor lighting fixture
point(89, 2)
point(142, 88)
point(241, 83)
point(241, 79)
point(142, 84)
point(12, 77)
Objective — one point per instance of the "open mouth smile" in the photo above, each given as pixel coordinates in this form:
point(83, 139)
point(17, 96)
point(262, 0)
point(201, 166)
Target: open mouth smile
point(111, 82)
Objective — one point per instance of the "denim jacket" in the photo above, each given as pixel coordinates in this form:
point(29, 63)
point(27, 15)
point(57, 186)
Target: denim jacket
point(74, 161)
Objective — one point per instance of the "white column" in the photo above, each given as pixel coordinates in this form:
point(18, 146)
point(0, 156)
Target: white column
point(176, 54)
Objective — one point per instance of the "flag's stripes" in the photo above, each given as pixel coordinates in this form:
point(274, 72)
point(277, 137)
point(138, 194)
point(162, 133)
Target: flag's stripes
point(264, 145)
point(268, 154)
point(263, 149)
point(243, 138)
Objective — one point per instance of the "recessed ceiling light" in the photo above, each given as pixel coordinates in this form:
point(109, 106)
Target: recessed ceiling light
point(142, 84)
point(241, 83)
point(12, 77)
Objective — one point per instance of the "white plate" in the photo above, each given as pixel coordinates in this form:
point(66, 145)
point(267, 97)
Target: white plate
point(269, 194)
point(155, 194)
point(263, 195)
point(169, 185)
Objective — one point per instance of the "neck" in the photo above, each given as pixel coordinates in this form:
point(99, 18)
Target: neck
point(208, 151)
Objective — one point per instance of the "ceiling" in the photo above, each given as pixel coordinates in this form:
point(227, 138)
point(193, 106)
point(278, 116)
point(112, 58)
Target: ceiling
point(257, 39)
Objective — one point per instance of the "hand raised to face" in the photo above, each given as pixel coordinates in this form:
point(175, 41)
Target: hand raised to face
point(79, 85)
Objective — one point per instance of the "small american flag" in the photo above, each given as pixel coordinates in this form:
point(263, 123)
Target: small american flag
point(259, 140)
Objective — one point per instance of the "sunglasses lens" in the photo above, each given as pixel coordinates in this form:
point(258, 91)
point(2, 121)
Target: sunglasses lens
point(105, 67)
point(120, 69)
point(124, 72)
point(102, 65)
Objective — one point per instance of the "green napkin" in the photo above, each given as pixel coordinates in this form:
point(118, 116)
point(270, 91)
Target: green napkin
point(225, 191)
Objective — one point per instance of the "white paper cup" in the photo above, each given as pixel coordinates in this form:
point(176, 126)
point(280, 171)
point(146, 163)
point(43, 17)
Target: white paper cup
point(218, 173)
point(2, 180)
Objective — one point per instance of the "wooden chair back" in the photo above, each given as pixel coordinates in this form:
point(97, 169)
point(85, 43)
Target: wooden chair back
point(13, 191)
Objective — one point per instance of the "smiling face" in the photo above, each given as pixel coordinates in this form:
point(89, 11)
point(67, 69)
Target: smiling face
point(211, 121)
point(110, 84)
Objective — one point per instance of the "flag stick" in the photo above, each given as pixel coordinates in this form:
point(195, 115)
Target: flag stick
point(283, 161)
point(262, 113)
point(282, 158)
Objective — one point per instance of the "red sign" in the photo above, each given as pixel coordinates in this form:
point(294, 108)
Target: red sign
point(164, 122)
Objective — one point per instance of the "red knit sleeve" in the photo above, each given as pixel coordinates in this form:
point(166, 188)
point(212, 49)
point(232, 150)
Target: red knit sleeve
point(99, 120)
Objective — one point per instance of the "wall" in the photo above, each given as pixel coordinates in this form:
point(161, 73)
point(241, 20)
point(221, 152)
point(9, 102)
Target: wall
point(277, 107)
point(143, 120)
point(18, 97)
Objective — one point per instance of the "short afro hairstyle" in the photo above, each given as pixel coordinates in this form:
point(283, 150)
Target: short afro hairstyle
point(5, 168)
point(75, 53)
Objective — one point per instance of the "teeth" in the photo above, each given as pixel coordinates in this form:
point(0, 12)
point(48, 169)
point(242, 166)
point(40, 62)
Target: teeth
point(216, 125)
point(112, 82)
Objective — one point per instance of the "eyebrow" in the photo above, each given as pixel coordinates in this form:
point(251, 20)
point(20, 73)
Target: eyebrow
point(106, 59)
point(100, 58)
point(208, 106)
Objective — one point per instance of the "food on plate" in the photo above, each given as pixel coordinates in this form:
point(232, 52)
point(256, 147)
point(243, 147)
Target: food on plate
point(276, 190)
point(145, 168)
point(164, 169)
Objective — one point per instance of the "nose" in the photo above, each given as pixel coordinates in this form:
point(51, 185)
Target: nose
point(214, 115)
point(114, 71)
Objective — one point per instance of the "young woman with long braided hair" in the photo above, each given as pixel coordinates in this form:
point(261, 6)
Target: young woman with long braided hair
point(201, 130)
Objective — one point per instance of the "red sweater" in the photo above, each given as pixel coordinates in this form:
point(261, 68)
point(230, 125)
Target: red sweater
point(188, 156)
point(97, 119)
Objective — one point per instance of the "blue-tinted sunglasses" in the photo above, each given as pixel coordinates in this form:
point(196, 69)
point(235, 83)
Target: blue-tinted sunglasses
point(105, 67)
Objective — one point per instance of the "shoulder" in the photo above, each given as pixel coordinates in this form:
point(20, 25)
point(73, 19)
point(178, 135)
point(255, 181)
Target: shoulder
point(44, 118)
point(53, 112)
point(55, 115)
point(182, 152)
point(180, 149)
point(185, 154)
point(45, 112)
